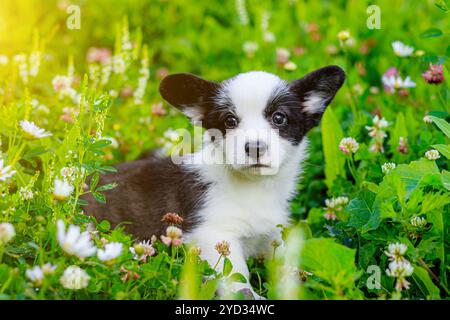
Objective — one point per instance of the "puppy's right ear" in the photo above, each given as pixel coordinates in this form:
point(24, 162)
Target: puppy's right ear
point(190, 94)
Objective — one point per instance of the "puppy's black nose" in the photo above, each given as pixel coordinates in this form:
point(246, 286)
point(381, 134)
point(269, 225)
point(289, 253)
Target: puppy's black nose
point(255, 149)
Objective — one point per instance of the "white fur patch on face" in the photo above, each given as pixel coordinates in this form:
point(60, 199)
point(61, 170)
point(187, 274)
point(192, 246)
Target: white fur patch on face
point(195, 114)
point(314, 103)
point(249, 94)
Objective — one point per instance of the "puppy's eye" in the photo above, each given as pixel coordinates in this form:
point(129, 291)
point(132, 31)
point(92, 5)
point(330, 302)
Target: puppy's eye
point(231, 122)
point(279, 118)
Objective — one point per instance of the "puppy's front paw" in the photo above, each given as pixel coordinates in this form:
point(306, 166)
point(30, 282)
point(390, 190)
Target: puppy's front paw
point(249, 294)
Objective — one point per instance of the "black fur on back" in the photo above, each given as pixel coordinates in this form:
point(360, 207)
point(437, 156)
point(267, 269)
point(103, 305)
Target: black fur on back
point(147, 189)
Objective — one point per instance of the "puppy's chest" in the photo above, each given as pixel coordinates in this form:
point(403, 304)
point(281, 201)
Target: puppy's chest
point(245, 211)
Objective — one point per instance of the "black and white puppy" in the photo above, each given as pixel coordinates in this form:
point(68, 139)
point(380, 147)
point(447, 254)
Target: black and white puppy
point(244, 196)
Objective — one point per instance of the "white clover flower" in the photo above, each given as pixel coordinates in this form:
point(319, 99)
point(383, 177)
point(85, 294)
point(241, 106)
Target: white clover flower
point(62, 190)
point(48, 268)
point(388, 167)
point(172, 135)
point(377, 133)
point(432, 154)
point(290, 66)
point(174, 232)
point(269, 37)
point(348, 145)
point(350, 42)
point(142, 250)
point(283, 55)
point(374, 90)
point(400, 270)
point(32, 131)
point(26, 193)
point(380, 123)
point(427, 119)
point(341, 201)
point(35, 275)
point(113, 93)
point(396, 82)
point(62, 83)
point(5, 171)
point(3, 60)
point(7, 232)
point(418, 222)
point(396, 251)
point(401, 49)
point(333, 206)
point(173, 236)
point(250, 48)
point(74, 242)
point(112, 251)
point(74, 278)
point(343, 36)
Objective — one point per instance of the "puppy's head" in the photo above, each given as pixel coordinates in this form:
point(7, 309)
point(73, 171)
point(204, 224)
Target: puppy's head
point(255, 119)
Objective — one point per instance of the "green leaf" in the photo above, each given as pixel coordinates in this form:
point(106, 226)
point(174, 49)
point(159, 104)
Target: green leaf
point(227, 267)
point(371, 186)
point(105, 187)
point(443, 149)
point(100, 144)
point(431, 33)
point(208, 290)
point(330, 261)
point(94, 181)
point(237, 277)
point(99, 197)
point(436, 218)
point(439, 114)
point(34, 152)
point(104, 226)
point(442, 5)
point(315, 215)
point(424, 282)
point(445, 177)
point(82, 202)
point(414, 173)
point(362, 216)
point(442, 124)
point(331, 136)
point(399, 131)
point(305, 229)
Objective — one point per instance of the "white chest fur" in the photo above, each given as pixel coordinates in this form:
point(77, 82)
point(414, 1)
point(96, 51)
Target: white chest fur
point(246, 210)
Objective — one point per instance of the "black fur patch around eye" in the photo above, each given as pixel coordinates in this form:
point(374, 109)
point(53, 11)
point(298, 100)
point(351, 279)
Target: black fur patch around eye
point(293, 101)
point(216, 115)
point(288, 103)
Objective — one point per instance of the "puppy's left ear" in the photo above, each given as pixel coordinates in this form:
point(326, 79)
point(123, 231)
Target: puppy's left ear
point(316, 90)
point(190, 94)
